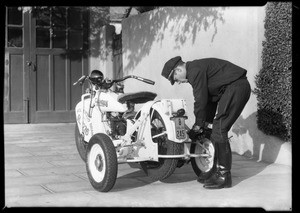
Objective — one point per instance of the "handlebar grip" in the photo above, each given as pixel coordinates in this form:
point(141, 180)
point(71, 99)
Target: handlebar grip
point(148, 81)
point(145, 80)
point(80, 80)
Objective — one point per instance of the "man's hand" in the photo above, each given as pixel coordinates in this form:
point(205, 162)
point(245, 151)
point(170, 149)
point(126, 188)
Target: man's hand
point(195, 132)
point(197, 128)
point(192, 135)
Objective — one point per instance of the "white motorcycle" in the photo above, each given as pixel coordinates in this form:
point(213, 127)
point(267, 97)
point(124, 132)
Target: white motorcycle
point(109, 131)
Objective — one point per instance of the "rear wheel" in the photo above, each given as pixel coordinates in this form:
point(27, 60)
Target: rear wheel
point(165, 166)
point(203, 164)
point(101, 163)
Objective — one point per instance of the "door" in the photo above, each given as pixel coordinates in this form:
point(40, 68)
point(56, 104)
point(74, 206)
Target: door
point(16, 73)
point(58, 58)
point(54, 56)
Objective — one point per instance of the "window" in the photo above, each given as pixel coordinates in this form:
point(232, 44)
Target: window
point(14, 27)
point(60, 27)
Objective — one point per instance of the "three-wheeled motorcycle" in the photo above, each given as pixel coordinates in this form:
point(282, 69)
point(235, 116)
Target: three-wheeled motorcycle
point(109, 131)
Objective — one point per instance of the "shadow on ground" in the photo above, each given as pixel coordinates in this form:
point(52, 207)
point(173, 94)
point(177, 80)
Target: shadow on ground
point(242, 169)
point(132, 180)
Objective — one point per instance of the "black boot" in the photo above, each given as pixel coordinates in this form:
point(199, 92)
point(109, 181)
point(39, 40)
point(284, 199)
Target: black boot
point(222, 177)
point(204, 176)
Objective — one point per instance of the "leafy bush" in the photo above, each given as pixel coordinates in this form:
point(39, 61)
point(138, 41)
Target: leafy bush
point(274, 80)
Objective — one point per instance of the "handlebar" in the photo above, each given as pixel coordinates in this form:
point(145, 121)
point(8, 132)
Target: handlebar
point(80, 80)
point(108, 83)
point(145, 80)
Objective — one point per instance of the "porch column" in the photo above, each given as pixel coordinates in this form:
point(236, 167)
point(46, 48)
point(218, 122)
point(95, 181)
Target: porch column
point(104, 60)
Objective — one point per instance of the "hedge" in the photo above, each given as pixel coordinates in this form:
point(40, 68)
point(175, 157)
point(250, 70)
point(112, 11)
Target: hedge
point(274, 80)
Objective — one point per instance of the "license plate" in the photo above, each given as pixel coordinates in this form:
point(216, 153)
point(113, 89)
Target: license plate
point(180, 128)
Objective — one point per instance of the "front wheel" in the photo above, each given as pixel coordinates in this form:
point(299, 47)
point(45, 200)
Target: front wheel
point(203, 164)
point(101, 162)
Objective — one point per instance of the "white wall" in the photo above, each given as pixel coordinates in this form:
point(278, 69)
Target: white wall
point(231, 33)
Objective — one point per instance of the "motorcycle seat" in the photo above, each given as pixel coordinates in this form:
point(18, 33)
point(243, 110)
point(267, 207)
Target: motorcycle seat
point(137, 97)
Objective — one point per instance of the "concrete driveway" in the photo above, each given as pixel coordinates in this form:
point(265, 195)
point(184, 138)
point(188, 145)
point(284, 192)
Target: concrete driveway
point(43, 169)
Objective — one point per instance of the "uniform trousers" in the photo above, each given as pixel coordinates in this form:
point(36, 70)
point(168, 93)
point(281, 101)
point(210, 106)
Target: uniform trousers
point(230, 106)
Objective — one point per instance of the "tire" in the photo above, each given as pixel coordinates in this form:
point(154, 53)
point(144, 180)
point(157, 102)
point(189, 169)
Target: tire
point(165, 166)
point(80, 144)
point(101, 163)
point(202, 164)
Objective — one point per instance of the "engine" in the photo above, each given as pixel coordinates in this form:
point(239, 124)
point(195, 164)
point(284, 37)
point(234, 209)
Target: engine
point(117, 124)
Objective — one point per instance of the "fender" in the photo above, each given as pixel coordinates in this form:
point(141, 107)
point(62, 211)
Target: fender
point(150, 149)
point(89, 125)
point(165, 107)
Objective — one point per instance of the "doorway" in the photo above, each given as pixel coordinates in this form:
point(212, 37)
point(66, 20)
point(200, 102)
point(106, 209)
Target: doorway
point(45, 52)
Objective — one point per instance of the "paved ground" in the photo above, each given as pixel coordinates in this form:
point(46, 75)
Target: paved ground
point(42, 168)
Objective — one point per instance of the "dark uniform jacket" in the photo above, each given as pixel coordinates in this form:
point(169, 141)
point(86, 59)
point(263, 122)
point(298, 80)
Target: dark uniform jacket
point(209, 78)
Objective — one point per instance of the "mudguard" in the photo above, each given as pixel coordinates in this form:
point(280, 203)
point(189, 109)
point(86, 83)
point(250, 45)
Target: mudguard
point(89, 123)
point(166, 108)
point(149, 149)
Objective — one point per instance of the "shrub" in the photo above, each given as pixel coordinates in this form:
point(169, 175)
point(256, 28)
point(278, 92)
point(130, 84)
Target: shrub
point(274, 80)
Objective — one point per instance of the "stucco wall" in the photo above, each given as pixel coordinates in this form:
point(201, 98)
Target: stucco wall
point(231, 33)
